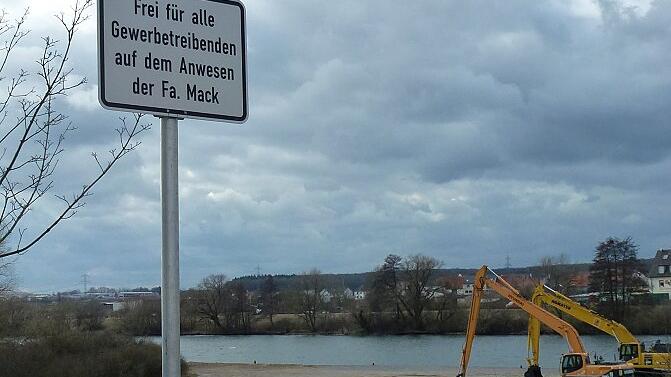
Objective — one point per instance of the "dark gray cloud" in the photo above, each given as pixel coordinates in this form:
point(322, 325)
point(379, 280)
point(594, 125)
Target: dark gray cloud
point(464, 130)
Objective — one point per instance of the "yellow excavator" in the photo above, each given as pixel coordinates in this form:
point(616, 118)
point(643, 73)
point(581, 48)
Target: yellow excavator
point(573, 364)
point(630, 349)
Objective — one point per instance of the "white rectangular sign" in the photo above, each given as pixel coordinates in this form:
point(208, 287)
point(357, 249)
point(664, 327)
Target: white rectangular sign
point(173, 58)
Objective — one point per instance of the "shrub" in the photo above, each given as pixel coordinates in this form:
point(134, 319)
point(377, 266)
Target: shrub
point(14, 314)
point(81, 354)
point(502, 322)
point(288, 324)
point(142, 318)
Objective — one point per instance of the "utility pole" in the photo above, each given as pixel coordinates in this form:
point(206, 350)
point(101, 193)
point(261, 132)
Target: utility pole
point(508, 261)
point(258, 270)
point(85, 281)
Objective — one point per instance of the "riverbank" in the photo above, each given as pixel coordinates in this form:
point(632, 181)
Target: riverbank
point(274, 370)
point(508, 321)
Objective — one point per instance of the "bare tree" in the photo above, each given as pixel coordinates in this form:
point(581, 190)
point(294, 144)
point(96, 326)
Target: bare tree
point(141, 317)
point(408, 281)
point(614, 275)
point(310, 297)
point(33, 130)
point(214, 299)
point(557, 272)
point(7, 278)
point(269, 298)
point(418, 270)
point(89, 316)
point(447, 300)
point(388, 285)
point(240, 315)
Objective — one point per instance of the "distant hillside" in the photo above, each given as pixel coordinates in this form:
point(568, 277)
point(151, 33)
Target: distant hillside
point(355, 281)
point(352, 281)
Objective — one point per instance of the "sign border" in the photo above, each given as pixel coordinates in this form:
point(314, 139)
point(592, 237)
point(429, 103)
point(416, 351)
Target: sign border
point(160, 111)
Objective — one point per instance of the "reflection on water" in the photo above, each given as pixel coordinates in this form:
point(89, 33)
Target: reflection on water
point(384, 351)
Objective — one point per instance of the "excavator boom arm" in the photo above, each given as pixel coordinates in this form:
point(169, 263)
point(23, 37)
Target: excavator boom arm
point(558, 325)
point(473, 315)
point(551, 297)
point(505, 290)
point(544, 295)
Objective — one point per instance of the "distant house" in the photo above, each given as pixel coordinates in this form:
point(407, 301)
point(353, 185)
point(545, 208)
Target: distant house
point(326, 296)
point(359, 295)
point(660, 273)
point(40, 297)
point(579, 282)
point(139, 295)
point(435, 291)
point(99, 295)
point(523, 282)
point(453, 284)
point(466, 289)
point(348, 293)
point(115, 306)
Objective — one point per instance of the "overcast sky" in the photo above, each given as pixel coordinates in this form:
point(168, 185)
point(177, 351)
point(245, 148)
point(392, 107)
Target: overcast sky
point(465, 130)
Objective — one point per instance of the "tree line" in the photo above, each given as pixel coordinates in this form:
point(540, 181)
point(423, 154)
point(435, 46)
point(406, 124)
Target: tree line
point(403, 295)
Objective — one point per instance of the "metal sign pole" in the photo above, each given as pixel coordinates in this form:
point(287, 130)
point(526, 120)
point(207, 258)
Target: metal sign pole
point(129, 85)
point(170, 249)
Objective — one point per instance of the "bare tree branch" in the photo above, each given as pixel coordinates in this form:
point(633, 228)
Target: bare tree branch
point(72, 204)
point(33, 131)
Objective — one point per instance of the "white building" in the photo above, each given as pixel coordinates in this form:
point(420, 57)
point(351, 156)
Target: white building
point(115, 306)
point(660, 273)
point(465, 290)
point(138, 294)
point(326, 296)
point(359, 295)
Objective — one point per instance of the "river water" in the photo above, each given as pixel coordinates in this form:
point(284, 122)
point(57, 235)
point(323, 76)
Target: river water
point(426, 351)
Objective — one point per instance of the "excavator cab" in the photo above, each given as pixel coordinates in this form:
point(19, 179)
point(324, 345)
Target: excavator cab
point(572, 362)
point(629, 351)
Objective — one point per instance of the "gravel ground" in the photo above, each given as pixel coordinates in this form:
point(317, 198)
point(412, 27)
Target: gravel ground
point(247, 370)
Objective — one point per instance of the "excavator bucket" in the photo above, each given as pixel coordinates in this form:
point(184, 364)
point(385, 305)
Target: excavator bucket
point(533, 371)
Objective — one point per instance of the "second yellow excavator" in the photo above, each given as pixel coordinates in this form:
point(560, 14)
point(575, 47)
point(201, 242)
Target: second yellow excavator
point(573, 364)
point(630, 349)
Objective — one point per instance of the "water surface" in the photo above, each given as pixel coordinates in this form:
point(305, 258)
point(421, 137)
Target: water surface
point(424, 351)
